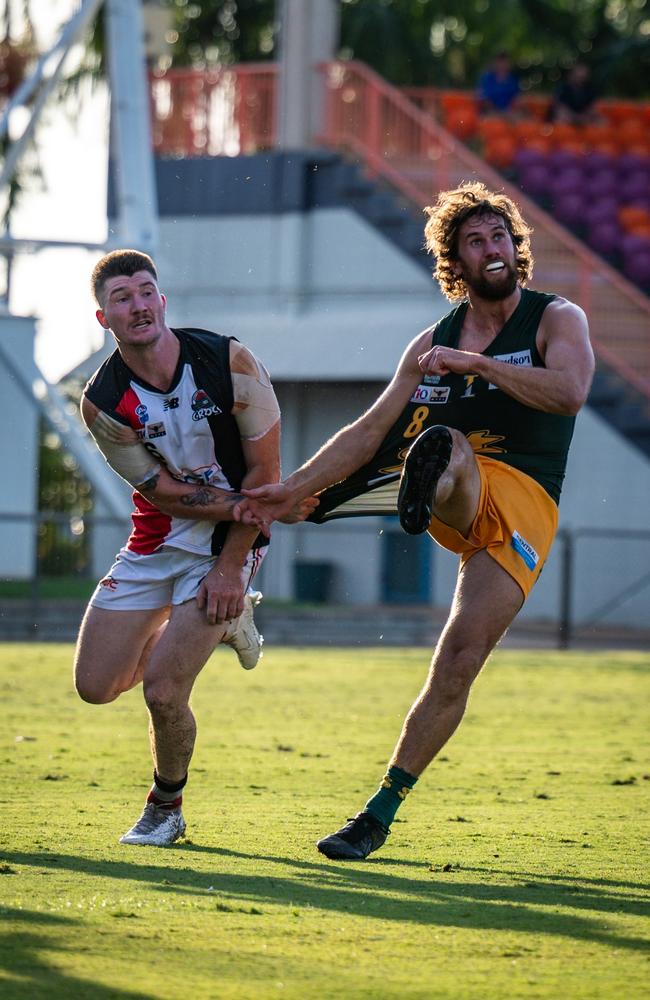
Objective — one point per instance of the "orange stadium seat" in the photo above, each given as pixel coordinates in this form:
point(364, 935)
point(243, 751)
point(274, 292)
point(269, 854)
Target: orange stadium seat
point(633, 217)
point(541, 142)
point(632, 132)
point(492, 128)
point(500, 150)
point(563, 134)
point(616, 112)
point(535, 105)
point(640, 147)
point(452, 101)
point(641, 229)
point(526, 130)
point(462, 123)
point(593, 135)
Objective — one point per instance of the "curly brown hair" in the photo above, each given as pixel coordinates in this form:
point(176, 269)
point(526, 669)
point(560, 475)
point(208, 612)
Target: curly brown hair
point(446, 217)
point(116, 263)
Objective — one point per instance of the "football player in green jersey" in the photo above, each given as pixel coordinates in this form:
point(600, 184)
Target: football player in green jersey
point(478, 418)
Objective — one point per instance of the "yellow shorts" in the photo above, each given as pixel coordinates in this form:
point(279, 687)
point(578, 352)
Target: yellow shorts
point(516, 522)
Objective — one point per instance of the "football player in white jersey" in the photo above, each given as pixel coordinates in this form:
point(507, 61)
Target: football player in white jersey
point(188, 418)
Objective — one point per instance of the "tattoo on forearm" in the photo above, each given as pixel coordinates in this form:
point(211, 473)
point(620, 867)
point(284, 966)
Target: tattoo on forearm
point(206, 497)
point(202, 497)
point(150, 484)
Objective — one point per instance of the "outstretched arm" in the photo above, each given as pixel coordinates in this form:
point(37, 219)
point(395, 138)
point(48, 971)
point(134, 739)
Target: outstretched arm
point(346, 451)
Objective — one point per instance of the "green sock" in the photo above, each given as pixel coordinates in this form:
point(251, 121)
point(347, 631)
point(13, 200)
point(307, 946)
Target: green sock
point(392, 792)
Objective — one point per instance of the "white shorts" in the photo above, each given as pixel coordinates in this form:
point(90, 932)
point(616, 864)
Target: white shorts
point(168, 576)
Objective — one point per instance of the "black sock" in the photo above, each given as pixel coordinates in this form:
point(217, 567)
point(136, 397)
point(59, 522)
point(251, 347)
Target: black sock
point(166, 794)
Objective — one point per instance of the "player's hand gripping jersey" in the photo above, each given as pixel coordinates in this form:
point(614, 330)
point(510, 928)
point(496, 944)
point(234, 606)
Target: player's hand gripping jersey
point(194, 430)
point(495, 424)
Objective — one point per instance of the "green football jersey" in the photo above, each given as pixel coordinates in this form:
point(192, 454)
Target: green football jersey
point(496, 424)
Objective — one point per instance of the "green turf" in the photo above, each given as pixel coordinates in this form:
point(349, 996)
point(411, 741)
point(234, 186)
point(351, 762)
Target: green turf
point(517, 868)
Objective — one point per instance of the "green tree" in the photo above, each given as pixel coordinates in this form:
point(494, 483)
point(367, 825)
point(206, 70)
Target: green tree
point(441, 42)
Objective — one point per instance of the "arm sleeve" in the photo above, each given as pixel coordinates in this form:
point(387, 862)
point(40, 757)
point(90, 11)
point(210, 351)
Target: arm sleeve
point(123, 451)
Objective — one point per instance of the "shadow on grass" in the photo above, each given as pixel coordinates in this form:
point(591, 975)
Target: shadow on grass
point(21, 957)
point(372, 890)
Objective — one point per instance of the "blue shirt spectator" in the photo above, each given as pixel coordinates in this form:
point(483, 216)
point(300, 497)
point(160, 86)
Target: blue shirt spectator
point(498, 86)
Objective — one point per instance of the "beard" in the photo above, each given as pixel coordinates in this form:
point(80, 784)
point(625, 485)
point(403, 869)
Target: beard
point(490, 289)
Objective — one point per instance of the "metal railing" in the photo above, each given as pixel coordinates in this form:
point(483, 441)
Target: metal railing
point(622, 589)
point(216, 112)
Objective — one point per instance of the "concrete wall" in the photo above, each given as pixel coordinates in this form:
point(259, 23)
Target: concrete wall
point(318, 295)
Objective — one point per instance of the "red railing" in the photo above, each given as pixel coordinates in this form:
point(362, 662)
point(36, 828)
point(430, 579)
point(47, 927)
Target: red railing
point(232, 111)
point(216, 112)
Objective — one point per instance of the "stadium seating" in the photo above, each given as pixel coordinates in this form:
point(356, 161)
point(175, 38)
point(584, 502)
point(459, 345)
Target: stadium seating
point(594, 179)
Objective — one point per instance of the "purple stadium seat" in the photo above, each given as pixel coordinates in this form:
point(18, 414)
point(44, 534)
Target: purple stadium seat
point(535, 180)
point(525, 158)
point(604, 184)
point(634, 246)
point(636, 185)
point(630, 163)
point(601, 210)
point(596, 161)
point(569, 209)
point(569, 181)
point(561, 160)
point(637, 267)
point(604, 238)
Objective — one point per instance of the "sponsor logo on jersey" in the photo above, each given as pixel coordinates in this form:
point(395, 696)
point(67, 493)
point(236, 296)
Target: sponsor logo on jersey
point(525, 550)
point(431, 379)
point(156, 430)
point(203, 475)
point(171, 403)
point(142, 413)
point(469, 386)
point(520, 359)
point(483, 441)
point(431, 394)
point(109, 582)
point(390, 471)
point(202, 406)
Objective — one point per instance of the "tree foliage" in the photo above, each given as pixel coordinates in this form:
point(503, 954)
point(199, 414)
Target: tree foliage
point(441, 42)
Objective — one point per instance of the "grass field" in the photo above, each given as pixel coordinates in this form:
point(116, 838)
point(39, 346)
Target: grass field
point(519, 866)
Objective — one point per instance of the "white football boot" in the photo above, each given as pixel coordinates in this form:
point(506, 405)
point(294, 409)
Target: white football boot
point(157, 827)
point(242, 634)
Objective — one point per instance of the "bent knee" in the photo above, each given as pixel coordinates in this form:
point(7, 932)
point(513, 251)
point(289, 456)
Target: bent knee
point(91, 690)
point(462, 451)
point(163, 698)
point(453, 675)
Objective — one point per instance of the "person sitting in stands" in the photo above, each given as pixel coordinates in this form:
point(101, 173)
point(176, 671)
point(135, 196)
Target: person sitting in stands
point(498, 87)
point(575, 97)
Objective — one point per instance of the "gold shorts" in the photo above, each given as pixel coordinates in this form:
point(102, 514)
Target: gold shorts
point(516, 522)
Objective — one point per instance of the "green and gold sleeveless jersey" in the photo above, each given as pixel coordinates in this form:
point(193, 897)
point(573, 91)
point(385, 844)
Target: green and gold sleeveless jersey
point(495, 424)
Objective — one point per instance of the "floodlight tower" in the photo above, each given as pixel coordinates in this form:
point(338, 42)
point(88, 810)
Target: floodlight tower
point(136, 207)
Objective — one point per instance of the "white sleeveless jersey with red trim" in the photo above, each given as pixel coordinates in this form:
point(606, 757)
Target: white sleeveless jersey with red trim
point(189, 428)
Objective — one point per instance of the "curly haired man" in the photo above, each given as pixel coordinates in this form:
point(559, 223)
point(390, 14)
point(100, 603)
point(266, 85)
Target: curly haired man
point(476, 426)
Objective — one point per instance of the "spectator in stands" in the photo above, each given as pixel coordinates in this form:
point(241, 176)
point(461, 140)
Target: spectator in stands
point(498, 87)
point(575, 97)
